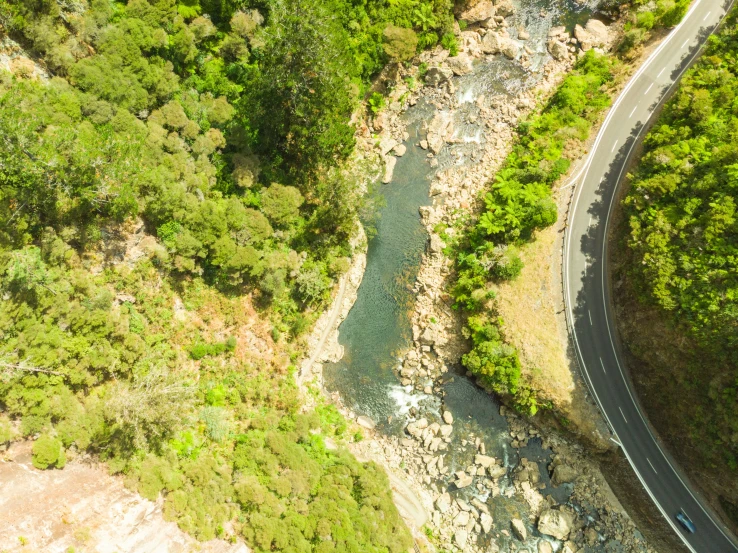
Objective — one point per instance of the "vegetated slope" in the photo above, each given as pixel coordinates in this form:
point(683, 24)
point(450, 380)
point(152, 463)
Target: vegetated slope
point(683, 258)
point(520, 201)
point(222, 126)
point(517, 204)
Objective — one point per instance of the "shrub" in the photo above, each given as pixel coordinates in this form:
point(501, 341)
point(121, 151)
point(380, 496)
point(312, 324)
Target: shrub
point(48, 452)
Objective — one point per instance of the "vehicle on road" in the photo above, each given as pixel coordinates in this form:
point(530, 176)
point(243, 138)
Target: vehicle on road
point(686, 522)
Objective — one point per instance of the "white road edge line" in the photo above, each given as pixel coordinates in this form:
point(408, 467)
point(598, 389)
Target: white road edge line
point(650, 463)
point(621, 412)
point(570, 314)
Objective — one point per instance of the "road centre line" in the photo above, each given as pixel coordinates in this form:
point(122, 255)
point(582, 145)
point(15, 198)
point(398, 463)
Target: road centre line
point(685, 43)
point(649, 88)
point(650, 463)
point(613, 146)
point(632, 112)
point(706, 16)
point(621, 412)
point(662, 70)
point(590, 316)
point(603, 366)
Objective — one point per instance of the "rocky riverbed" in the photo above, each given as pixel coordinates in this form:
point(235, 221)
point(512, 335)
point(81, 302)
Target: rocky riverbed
point(521, 491)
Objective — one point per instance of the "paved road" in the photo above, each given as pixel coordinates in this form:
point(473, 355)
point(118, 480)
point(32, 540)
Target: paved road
point(587, 285)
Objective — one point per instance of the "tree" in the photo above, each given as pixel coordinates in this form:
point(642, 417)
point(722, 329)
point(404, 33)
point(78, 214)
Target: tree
point(399, 44)
point(282, 204)
point(302, 99)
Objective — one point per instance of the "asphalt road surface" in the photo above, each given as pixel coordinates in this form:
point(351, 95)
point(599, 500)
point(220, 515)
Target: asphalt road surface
point(586, 279)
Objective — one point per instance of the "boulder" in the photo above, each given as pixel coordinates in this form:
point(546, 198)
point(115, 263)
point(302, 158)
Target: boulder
point(484, 460)
point(436, 244)
point(428, 338)
point(446, 430)
point(486, 522)
point(556, 31)
point(555, 523)
point(399, 150)
point(504, 8)
point(366, 422)
point(518, 527)
point(509, 49)
point(460, 65)
point(545, 547)
point(492, 43)
point(443, 503)
point(385, 144)
point(496, 471)
point(593, 35)
point(436, 76)
point(389, 168)
point(563, 474)
point(479, 13)
point(460, 537)
point(448, 418)
point(523, 34)
point(462, 519)
point(558, 50)
point(463, 479)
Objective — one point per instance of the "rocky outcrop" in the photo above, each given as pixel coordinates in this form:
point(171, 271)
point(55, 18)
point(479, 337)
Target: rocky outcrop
point(437, 76)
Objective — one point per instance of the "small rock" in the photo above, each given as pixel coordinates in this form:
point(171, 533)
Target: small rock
point(519, 529)
point(448, 418)
point(563, 474)
point(399, 150)
point(523, 34)
point(436, 76)
point(460, 537)
point(545, 547)
point(424, 144)
point(484, 460)
point(558, 50)
point(504, 8)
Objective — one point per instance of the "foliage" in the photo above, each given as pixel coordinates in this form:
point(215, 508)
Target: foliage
point(516, 205)
point(681, 211)
point(650, 15)
point(223, 126)
point(48, 452)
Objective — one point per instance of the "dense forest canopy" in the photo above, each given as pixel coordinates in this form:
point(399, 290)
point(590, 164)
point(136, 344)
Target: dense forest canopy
point(681, 210)
point(223, 126)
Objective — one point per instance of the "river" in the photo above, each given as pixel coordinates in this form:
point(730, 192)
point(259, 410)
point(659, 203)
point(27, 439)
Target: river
point(377, 331)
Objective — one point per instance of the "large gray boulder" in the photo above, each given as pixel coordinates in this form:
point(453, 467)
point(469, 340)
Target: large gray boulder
point(555, 523)
point(563, 474)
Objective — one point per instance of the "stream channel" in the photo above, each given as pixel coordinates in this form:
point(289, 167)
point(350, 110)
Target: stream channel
point(377, 330)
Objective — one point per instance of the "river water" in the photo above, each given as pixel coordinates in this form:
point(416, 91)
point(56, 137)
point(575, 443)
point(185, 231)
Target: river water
point(377, 332)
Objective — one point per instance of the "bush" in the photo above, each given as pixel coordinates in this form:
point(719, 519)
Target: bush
point(399, 44)
point(449, 42)
point(48, 452)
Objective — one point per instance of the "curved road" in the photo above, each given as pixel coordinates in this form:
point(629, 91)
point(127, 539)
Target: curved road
point(586, 282)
